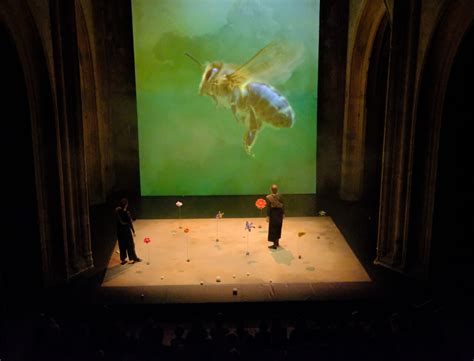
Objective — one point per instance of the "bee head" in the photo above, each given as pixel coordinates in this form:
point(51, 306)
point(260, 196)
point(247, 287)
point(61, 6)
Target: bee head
point(209, 75)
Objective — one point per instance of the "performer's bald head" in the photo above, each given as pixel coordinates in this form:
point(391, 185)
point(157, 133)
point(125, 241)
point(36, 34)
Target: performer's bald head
point(274, 189)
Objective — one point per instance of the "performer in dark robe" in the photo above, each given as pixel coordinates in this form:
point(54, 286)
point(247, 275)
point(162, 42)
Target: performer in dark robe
point(276, 213)
point(124, 233)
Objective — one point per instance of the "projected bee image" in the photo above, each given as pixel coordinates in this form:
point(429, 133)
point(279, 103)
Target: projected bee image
point(248, 90)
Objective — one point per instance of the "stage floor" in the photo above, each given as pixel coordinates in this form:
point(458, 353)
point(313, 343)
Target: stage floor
point(165, 275)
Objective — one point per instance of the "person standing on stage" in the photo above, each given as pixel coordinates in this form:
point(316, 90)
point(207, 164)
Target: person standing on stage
point(276, 213)
point(125, 233)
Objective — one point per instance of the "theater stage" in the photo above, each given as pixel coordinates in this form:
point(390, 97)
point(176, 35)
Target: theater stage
point(166, 276)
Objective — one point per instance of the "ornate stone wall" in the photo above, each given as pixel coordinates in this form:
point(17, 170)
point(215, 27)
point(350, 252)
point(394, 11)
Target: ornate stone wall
point(47, 51)
point(425, 36)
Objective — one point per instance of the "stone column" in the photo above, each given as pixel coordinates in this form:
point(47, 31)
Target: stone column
point(398, 137)
point(364, 25)
point(332, 62)
point(70, 141)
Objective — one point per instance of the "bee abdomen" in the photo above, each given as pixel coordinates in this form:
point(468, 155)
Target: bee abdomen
point(270, 105)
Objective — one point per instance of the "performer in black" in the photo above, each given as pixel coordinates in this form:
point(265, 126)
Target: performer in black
point(276, 213)
point(124, 233)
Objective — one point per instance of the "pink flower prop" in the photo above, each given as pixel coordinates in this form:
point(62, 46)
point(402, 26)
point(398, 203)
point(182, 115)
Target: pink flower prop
point(179, 204)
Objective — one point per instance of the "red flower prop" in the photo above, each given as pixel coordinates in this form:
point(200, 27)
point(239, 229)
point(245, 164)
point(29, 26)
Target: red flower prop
point(261, 203)
point(147, 240)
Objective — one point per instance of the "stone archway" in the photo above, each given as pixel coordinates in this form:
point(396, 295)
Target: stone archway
point(46, 49)
point(457, 18)
point(17, 18)
point(19, 199)
point(353, 147)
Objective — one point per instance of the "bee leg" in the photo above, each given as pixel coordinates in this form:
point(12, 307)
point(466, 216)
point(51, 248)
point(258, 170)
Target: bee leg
point(233, 103)
point(215, 100)
point(251, 134)
point(249, 139)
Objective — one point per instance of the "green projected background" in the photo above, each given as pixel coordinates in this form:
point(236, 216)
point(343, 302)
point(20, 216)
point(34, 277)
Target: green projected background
point(187, 145)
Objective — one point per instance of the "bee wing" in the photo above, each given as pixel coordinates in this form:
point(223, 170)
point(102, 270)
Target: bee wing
point(273, 64)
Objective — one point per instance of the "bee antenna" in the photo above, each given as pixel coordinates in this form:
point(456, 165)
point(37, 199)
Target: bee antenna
point(193, 59)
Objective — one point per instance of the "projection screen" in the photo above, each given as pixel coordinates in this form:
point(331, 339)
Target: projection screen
point(226, 95)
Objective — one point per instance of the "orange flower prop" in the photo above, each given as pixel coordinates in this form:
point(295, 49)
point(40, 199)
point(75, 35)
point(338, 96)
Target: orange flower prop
point(261, 203)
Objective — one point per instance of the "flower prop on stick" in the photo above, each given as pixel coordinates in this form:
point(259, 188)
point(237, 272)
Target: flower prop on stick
point(147, 240)
point(219, 215)
point(300, 234)
point(260, 204)
point(179, 205)
point(186, 230)
point(248, 227)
